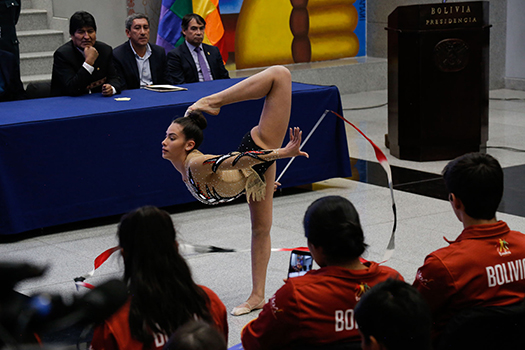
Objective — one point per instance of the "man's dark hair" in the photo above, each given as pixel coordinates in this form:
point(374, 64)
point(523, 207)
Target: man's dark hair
point(396, 315)
point(187, 19)
point(81, 19)
point(477, 180)
point(131, 18)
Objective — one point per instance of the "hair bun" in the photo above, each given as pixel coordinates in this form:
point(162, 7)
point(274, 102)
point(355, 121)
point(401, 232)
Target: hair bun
point(198, 118)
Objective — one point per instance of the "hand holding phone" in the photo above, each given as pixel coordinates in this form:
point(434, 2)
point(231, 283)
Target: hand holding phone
point(300, 263)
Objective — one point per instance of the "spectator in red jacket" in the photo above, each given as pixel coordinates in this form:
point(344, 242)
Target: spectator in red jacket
point(163, 295)
point(318, 308)
point(484, 265)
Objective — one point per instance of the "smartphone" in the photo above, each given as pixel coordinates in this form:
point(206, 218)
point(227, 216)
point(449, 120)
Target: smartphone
point(300, 263)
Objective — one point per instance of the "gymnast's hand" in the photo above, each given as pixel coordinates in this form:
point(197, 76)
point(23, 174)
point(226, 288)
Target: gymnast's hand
point(203, 105)
point(292, 148)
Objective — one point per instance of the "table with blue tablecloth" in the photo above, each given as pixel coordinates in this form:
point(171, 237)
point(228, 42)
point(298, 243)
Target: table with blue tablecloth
point(67, 159)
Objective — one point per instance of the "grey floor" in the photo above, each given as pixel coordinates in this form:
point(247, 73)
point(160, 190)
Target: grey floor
point(422, 221)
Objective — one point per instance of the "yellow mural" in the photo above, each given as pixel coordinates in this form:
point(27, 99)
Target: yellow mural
point(282, 32)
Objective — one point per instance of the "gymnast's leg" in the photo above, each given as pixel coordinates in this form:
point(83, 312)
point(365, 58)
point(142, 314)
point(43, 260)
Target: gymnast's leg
point(261, 213)
point(275, 84)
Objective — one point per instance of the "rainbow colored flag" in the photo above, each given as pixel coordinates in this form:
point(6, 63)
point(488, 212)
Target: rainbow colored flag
point(169, 34)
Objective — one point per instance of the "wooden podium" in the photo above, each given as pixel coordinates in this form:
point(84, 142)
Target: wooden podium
point(438, 72)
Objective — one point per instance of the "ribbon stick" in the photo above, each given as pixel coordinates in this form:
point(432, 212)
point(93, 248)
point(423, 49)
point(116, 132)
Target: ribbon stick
point(381, 158)
point(304, 143)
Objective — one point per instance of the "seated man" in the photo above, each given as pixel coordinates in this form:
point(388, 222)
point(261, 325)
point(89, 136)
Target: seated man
point(11, 87)
point(9, 15)
point(83, 64)
point(194, 61)
point(138, 62)
point(484, 265)
point(393, 315)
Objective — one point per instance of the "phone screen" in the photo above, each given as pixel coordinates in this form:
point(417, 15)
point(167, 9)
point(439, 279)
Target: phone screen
point(300, 263)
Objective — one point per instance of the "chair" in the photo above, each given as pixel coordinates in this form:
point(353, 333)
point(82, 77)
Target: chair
point(493, 327)
point(39, 89)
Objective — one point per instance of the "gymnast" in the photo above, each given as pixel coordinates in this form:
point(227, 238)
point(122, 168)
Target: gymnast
point(251, 170)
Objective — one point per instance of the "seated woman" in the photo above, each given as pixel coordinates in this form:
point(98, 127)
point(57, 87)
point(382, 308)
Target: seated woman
point(163, 295)
point(217, 179)
point(318, 308)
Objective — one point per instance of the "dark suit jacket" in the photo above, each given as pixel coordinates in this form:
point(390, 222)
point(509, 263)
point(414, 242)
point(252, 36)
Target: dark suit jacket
point(9, 14)
point(10, 74)
point(70, 78)
point(182, 68)
point(126, 65)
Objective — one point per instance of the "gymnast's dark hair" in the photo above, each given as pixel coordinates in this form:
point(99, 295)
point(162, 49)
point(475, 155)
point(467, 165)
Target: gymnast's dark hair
point(192, 127)
point(163, 293)
point(333, 223)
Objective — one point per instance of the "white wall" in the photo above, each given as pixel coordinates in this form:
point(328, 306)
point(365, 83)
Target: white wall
point(507, 57)
point(515, 55)
point(110, 16)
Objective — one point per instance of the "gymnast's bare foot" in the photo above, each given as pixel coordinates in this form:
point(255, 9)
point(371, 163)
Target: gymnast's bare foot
point(203, 105)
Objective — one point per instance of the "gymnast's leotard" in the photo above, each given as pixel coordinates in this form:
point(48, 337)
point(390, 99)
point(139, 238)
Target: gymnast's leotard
point(219, 179)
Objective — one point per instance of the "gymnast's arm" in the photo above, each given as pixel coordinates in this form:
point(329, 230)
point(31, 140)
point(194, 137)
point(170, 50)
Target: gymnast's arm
point(243, 160)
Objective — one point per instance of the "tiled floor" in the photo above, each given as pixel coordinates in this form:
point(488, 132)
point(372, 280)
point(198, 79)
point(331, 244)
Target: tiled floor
point(424, 216)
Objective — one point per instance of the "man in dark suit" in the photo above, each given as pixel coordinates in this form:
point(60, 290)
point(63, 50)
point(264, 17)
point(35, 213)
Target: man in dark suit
point(184, 63)
point(83, 64)
point(9, 14)
point(138, 62)
point(11, 87)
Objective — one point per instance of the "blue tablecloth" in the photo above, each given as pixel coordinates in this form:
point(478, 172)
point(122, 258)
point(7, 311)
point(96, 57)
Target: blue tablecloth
point(66, 159)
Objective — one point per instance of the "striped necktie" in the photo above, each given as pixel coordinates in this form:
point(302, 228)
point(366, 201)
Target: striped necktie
point(204, 68)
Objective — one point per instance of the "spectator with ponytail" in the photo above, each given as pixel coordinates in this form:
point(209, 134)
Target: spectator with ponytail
point(163, 295)
point(318, 308)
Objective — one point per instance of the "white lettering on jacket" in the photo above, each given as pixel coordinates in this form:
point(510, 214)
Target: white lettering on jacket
point(160, 339)
point(508, 272)
point(344, 320)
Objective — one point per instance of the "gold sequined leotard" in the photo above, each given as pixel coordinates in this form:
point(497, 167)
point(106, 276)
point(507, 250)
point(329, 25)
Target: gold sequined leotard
point(219, 179)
